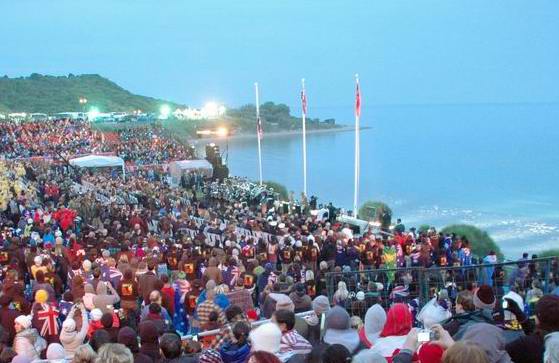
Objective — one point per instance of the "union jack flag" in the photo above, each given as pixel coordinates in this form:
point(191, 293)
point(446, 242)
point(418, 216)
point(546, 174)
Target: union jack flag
point(48, 315)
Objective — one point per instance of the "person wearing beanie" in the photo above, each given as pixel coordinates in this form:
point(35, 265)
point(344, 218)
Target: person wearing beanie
point(128, 337)
point(338, 330)
point(531, 346)
point(484, 298)
point(56, 353)
point(27, 341)
point(7, 317)
point(95, 323)
point(471, 309)
point(45, 316)
point(70, 338)
point(320, 306)
point(266, 337)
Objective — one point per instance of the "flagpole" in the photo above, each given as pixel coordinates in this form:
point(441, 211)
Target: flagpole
point(258, 132)
point(304, 111)
point(357, 149)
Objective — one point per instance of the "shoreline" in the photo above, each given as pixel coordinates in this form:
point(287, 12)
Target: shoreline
point(275, 134)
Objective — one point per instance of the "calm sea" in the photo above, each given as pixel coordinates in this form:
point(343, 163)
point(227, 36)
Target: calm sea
point(494, 166)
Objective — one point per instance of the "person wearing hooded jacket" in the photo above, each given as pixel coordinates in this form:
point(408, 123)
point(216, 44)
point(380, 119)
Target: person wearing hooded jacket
point(27, 341)
point(393, 335)
point(70, 338)
point(375, 318)
point(103, 301)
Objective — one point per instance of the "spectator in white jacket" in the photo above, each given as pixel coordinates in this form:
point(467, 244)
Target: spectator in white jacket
point(70, 338)
point(27, 341)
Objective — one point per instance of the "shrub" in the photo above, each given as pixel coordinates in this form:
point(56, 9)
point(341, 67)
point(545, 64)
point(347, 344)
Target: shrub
point(278, 188)
point(374, 211)
point(480, 242)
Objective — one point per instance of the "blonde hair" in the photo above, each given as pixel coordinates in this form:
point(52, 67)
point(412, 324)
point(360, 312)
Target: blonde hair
point(84, 354)
point(114, 353)
point(464, 353)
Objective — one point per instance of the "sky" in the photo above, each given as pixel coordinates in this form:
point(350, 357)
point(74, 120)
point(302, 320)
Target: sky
point(406, 52)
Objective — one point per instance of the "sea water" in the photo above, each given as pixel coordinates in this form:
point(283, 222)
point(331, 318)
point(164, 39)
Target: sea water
point(493, 166)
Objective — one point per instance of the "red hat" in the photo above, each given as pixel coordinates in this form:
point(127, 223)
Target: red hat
point(430, 353)
point(252, 315)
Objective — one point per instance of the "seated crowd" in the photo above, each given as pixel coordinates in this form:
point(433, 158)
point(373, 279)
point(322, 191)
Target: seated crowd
point(98, 268)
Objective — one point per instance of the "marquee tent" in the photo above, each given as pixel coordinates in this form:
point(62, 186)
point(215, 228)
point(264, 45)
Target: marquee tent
point(98, 161)
point(177, 168)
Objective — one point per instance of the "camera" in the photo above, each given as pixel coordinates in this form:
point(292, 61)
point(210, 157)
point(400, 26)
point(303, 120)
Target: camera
point(425, 335)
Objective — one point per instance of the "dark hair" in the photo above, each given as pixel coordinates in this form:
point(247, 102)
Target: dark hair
point(164, 278)
point(154, 308)
point(336, 353)
point(232, 312)
point(213, 316)
point(40, 276)
point(241, 331)
point(285, 317)
point(107, 320)
point(170, 345)
point(100, 337)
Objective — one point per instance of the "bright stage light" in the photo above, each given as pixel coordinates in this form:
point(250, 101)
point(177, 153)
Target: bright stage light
point(93, 113)
point(222, 132)
point(164, 112)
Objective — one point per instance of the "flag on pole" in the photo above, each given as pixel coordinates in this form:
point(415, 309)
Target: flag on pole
point(357, 101)
point(304, 101)
point(259, 128)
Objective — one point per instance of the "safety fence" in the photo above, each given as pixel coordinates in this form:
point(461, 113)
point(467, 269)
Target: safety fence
point(208, 337)
point(385, 286)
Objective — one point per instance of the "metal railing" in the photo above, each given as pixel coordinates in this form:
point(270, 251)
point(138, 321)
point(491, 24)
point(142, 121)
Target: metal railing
point(422, 283)
point(253, 324)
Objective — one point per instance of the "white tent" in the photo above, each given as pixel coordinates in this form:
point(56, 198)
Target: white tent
point(177, 168)
point(98, 161)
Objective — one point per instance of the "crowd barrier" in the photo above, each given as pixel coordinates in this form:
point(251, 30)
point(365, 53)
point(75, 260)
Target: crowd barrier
point(254, 324)
point(423, 283)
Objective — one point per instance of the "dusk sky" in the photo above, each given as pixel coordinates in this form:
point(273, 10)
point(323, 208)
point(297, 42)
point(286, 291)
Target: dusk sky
point(406, 52)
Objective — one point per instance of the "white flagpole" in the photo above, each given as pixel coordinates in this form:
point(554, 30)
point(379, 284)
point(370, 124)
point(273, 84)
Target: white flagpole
point(258, 131)
point(357, 156)
point(304, 137)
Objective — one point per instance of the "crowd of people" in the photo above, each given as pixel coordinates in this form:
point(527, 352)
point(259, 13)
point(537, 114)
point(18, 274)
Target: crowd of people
point(64, 138)
point(96, 267)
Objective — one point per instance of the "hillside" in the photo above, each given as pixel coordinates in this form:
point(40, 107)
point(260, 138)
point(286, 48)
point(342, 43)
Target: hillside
point(51, 94)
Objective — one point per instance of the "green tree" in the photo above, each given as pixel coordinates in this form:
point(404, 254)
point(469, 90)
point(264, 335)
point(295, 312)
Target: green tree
point(376, 211)
point(278, 188)
point(480, 241)
point(549, 253)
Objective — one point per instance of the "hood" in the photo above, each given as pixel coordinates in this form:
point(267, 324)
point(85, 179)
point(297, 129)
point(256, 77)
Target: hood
point(375, 318)
point(234, 353)
point(490, 339)
point(398, 321)
point(101, 288)
point(349, 338)
point(148, 332)
point(127, 337)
